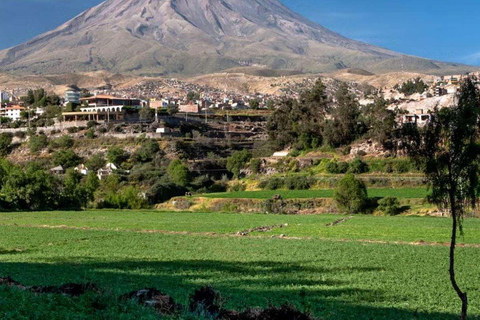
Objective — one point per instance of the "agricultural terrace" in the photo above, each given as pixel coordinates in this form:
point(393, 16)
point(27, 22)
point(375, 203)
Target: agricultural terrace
point(407, 193)
point(337, 267)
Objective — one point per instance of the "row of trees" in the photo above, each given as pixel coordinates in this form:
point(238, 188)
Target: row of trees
point(313, 121)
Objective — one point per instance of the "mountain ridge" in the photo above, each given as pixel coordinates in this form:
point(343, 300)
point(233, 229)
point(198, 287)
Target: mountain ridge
point(188, 37)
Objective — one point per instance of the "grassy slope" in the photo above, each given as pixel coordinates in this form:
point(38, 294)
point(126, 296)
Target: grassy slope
point(342, 280)
point(409, 193)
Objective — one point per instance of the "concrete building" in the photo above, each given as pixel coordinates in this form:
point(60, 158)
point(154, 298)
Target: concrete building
point(72, 96)
point(12, 112)
point(4, 96)
point(189, 108)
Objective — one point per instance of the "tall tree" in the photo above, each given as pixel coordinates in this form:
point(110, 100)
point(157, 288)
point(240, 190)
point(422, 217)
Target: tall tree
point(448, 151)
point(346, 125)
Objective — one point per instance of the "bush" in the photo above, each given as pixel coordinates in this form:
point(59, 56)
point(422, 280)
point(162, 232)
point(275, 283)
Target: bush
point(335, 167)
point(64, 142)
point(237, 161)
point(116, 155)
point(237, 187)
point(358, 166)
point(95, 162)
point(148, 151)
point(66, 158)
point(178, 173)
point(272, 184)
point(389, 206)
point(38, 143)
point(298, 183)
point(91, 124)
point(126, 198)
point(351, 194)
point(20, 134)
point(5, 142)
point(256, 165)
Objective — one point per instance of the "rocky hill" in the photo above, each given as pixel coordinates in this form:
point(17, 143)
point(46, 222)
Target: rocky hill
point(188, 37)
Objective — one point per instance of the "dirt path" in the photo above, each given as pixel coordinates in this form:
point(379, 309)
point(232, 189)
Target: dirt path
point(239, 234)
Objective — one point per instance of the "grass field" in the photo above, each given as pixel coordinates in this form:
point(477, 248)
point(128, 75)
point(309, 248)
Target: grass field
point(342, 277)
point(409, 193)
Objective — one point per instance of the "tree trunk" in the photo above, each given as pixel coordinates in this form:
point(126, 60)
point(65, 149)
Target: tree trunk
point(462, 295)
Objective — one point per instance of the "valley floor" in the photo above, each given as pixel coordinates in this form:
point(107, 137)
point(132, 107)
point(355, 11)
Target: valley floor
point(339, 267)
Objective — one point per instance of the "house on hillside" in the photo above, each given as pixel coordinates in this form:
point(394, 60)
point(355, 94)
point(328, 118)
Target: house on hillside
point(58, 170)
point(106, 171)
point(12, 112)
point(82, 169)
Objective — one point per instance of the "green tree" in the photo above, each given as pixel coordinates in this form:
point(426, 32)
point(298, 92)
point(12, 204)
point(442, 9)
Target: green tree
point(237, 161)
point(5, 143)
point(346, 125)
point(38, 143)
point(303, 117)
point(381, 122)
point(389, 206)
point(447, 149)
point(351, 194)
point(66, 158)
point(271, 105)
point(193, 96)
point(146, 114)
point(147, 151)
point(254, 103)
point(178, 173)
point(116, 155)
point(95, 162)
point(256, 165)
point(91, 185)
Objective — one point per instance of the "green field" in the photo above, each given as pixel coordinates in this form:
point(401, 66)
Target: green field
point(342, 275)
point(408, 193)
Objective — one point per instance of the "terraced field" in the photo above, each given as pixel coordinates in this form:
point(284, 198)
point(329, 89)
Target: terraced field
point(408, 193)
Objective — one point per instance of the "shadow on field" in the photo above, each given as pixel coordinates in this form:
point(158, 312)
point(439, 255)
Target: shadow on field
point(242, 284)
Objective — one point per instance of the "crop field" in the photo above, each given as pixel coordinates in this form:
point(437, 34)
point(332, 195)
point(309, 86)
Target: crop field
point(364, 267)
point(408, 193)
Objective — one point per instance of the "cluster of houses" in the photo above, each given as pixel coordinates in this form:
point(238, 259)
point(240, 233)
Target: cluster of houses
point(102, 173)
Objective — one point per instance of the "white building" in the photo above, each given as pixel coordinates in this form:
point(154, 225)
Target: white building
point(12, 112)
point(72, 96)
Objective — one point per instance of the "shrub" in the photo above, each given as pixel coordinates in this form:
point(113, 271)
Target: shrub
point(116, 155)
point(272, 184)
point(178, 173)
point(5, 142)
point(298, 182)
point(91, 133)
point(148, 151)
point(237, 161)
point(358, 166)
point(351, 194)
point(38, 143)
point(237, 187)
point(95, 162)
point(91, 124)
point(20, 134)
point(64, 142)
point(66, 158)
point(335, 167)
point(389, 206)
point(256, 165)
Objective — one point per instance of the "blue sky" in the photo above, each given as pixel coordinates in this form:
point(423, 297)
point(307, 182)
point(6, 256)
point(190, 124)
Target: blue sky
point(436, 29)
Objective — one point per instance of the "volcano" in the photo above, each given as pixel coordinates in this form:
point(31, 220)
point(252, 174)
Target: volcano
point(188, 37)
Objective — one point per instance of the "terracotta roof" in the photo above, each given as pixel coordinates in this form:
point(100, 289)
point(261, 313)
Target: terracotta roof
point(105, 96)
point(15, 108)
